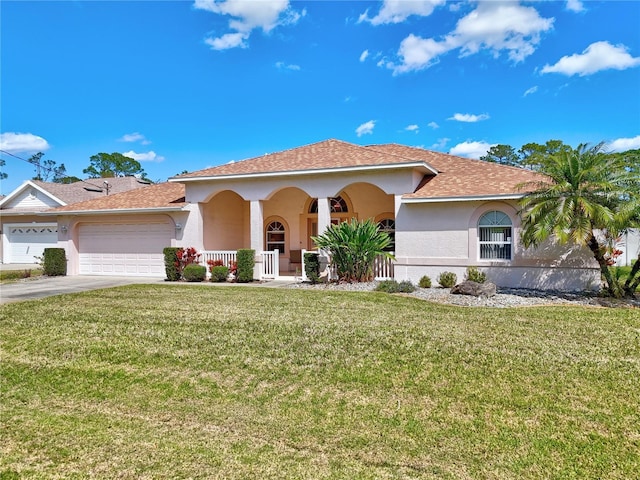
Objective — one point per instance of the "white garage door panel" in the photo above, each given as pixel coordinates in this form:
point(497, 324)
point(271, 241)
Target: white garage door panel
point(27, 242)
point(123, 249)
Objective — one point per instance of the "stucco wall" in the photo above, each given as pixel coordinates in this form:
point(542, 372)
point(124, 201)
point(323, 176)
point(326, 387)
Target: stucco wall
point(436, 237)
point(224, 222)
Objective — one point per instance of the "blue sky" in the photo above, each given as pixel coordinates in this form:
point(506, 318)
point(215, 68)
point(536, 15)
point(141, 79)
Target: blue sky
point(188, 85)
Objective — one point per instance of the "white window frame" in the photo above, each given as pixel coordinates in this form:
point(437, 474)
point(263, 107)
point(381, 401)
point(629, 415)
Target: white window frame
point(496, 220)
point(277, 244)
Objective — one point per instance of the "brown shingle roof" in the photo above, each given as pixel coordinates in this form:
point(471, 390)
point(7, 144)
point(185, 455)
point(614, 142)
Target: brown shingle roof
point(90, 188)
point(316, 156)
point(461, 177)
point(161, 195)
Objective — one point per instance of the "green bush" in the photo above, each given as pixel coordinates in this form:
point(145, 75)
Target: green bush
point(475, 275)
point(194, 273)
point(447, 279)
point(171, 263)
point(54, 262)
point(246, 262)
point(424, 282)
point(219, 273)
point(354, 247)
point(312, 266)
point(392, 286)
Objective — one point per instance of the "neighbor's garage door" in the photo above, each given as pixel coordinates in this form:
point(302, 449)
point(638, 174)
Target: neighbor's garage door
point(123, 249)
point(26, 242)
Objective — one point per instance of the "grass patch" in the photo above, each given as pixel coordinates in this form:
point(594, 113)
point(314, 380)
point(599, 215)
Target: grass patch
point(8, 276)
point(168, 381)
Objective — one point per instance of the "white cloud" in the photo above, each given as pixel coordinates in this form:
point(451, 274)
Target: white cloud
point(530, 91)
point(366, 128)
point(284, 66)
point(624, 144)
point(494, 26)
point(22, 142)
point(413, 128)
point(150, 156)
point(468, 117)
point(575, 6)
point(397, 11)
point(596, 57)
point(433, 125)
point(471, 149)
point(247, 16)
point(134, 137)
point(364, 55)
point(441, 143)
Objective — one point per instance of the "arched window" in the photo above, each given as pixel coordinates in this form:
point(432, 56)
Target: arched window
point(388, 225)
point(495, 235)
point(336, 204)
point(275, 236)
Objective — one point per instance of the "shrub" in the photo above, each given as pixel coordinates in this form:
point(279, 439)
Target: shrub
point(424, 282)
point(354, 247)
point(186, 256)
point(475, 275)
point(245, 263)
point(170, 263)
point(392, 286)
point(447, 279)
point(312, 266)
point(54, 262)
point(219, 273)
point(194, 273)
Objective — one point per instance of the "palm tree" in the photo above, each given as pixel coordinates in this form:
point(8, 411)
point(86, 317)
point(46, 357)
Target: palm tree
point(354, 247)
point(582, 201)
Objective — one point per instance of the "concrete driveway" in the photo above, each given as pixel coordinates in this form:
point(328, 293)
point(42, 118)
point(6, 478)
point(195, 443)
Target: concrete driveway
point(40, 287)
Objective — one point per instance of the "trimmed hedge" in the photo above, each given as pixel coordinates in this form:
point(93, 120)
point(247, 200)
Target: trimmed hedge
point(171, 263)
point(312, 266)
point(246, 262)
point(194, 273)
point(425, 282)
point(219, 273)
point(54, 262)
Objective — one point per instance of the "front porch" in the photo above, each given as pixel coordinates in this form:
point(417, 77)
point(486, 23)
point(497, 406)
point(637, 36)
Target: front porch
point(268, 265)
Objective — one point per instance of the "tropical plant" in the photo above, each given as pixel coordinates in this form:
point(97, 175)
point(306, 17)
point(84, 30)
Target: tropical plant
point(587, 198)
point(353, 247)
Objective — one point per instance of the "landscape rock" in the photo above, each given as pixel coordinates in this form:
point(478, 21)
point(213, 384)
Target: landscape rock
point(475, 289)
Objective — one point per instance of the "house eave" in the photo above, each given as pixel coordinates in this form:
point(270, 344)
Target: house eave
point(470, 198)
point(364, 168)
point(117, 211)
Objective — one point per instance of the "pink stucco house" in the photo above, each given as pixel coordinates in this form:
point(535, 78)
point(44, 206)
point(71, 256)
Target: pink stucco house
point(444, 212)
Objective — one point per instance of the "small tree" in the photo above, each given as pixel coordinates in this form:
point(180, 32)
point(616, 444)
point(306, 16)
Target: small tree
point(353, 247)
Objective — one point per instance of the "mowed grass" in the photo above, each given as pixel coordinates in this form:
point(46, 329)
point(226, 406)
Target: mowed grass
point(229, 382)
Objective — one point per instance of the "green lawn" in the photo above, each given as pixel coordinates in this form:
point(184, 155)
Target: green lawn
point(172, 381)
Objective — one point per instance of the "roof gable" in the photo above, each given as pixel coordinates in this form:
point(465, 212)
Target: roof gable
point(30, 196)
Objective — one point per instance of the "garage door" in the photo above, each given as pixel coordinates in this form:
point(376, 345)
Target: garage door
point(26, 242)
point(123, 249)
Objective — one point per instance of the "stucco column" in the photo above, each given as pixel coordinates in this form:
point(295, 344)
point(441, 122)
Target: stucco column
point(190, 228)
point(324, 215)
point(257, 242)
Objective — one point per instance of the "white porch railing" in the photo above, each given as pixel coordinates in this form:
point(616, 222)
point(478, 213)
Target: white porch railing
point(269, 261)
point(382, 268)
point(270, 264)
point(226, 256)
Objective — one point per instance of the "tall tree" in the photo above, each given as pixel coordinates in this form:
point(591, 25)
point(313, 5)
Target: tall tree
point(503, 154)
point(47, 170)
point(532, 155)
point(113, 165)
point(583, 201)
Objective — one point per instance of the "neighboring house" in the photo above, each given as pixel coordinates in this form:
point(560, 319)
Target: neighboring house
point(445, 213)
point(630, 246)
point(26, 227)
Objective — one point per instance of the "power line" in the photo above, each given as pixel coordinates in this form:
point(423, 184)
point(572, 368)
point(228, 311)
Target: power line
point(51, 170)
